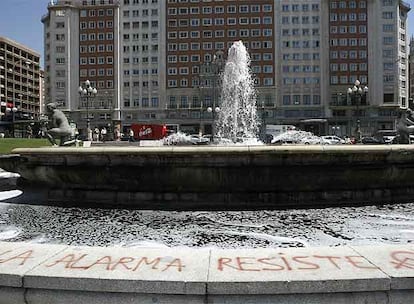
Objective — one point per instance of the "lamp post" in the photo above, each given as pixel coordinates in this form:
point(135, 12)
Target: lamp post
point(13, 111)
point(356, 93)
point(87, 91)
point(335, 129)
point(216, 110)
point(263, 122)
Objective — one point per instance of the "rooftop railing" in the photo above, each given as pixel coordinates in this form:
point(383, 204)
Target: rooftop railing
point(406, 4)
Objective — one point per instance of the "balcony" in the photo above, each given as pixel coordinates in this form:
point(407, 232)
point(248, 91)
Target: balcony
point(345, 103)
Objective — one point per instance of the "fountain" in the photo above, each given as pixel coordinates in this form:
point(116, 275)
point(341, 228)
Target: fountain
point(247, 176)
point(237, 119)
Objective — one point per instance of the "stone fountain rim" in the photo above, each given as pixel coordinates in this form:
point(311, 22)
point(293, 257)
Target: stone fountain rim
point(219, 149)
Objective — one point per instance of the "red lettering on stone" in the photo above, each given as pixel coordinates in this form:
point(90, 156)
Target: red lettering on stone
point(357, 264)
point(147, 262)
point(266, 261)
point(175, 263)
point(403, 259)
point(70, 260)
point(5, 252)
point(106, 260)
point(123, 261)
point(22, 256)
point(226, 262)
point(299, 259)
point(285, 261)
point(331, 259)
point(240, 264)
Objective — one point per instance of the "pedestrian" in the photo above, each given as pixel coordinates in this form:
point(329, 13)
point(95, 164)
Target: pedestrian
point(103, 134)
point(117, 134)
point(29, 131)
point(96, 134)
point(131, 135)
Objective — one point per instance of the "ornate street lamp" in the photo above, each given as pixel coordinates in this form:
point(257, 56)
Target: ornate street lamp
point(13, 111)
point(87, 91)
point(356, 93)
point(216, 110)
point(263, 122)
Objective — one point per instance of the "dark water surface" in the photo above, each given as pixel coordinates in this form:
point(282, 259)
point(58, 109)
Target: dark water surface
point(389, 224)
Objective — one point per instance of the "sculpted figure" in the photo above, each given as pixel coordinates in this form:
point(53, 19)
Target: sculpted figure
point(405, 126)
point(60, 126)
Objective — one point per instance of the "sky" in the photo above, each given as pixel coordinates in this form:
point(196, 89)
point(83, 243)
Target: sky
point(20, 21)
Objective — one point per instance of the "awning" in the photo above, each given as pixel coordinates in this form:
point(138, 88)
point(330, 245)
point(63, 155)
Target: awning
point(314, 120)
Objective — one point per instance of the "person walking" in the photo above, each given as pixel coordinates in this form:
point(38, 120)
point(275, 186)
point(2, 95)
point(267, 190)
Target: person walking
point(29, 131)
point(96, 134)
point(117, 134)
point(131, 135)
point(103, 134)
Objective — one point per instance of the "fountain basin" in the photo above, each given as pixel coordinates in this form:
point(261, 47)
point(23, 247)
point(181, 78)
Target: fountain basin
point(214, 177)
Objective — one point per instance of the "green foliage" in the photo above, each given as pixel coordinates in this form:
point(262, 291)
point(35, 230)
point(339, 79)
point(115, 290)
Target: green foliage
point(8, 144)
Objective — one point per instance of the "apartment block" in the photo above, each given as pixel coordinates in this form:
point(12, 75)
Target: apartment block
point(299, 61)
point(199, 33)
point(19, 87)
point(411, 73)
point(367, 44)
point(82, 43)
point(143, 61)
point(388, 61)
point(348, 63)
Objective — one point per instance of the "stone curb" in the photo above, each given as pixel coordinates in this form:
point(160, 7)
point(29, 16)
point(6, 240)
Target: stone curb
point(182, 271)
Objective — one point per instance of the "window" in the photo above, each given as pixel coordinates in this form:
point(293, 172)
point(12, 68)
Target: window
point(60, 84)
point(268, 81)
point(268, 69)
point(267, 8)
point(60, 37)
point(269, 20)
point(60, 49)
point(231, 9)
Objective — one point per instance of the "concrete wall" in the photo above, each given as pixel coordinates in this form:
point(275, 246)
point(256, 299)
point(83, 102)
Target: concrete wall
point(217, 177)
point(34, 273)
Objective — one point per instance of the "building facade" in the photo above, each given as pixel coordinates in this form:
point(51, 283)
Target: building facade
point(82, 43)
point(19, 87)
point(160, 61)
point(143, 61)
point(199, 33)
point(387, 61)
point(299, 63)
point(411, 73)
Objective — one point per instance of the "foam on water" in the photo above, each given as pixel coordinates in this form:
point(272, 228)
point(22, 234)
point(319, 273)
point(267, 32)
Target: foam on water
point(8, 232)
point(9, 194)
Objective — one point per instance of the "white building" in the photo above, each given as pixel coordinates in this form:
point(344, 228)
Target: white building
point(299, 63)
point(82, 43)
point(143, 61)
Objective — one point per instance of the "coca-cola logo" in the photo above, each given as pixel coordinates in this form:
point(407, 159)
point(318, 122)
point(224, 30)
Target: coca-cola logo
point(145, 131)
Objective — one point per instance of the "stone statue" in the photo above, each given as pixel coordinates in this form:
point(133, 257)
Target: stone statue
point(60, 127)
point(405, 126)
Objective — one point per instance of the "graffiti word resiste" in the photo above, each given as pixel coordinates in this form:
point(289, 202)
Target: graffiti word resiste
point(282, 262)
